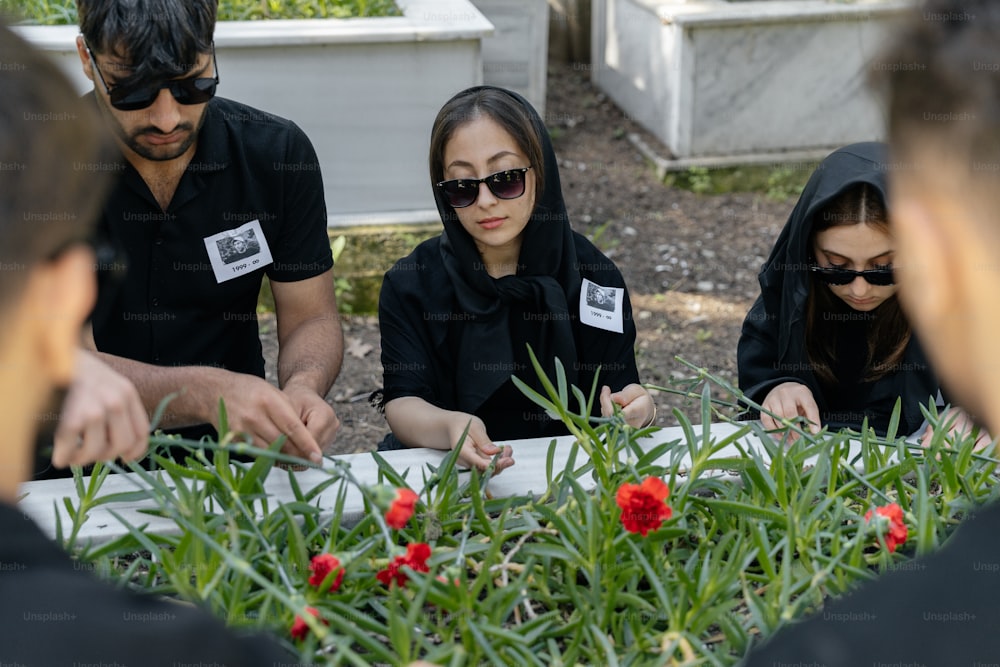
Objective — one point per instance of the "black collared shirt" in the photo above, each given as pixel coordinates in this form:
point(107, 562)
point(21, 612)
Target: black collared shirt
point(170, 308)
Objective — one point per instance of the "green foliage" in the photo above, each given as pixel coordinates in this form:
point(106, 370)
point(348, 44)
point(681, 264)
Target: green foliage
point(601, 239)
point(554, 579)
point(62, 12)
point(780, 182)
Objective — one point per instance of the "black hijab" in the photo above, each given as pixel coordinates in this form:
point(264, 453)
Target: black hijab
point(498, 311)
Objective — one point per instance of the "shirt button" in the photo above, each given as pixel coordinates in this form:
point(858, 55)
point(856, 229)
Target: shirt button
point(159, 240)
point(155, 302)
point(156, 358)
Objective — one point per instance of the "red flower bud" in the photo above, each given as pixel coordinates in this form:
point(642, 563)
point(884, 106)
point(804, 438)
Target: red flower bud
point(299, 628)
point(321, 566)
point(416, 558)
point(401, 509)
point(897, 532)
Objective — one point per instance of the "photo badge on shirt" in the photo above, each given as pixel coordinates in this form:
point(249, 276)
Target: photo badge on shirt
point(601, 307)
point(239, 251)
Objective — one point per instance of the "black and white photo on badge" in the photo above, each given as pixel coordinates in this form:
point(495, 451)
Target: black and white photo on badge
point(234, 248)
point(601, 297)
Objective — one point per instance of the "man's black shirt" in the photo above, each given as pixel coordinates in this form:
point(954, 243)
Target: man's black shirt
point(194, 271)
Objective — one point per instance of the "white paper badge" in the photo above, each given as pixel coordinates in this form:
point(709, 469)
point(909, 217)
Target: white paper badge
point(601, 307)
point(236, 252)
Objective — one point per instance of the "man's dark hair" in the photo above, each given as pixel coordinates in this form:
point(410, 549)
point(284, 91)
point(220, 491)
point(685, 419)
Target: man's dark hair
point(51, 152)
point(160, 39)
point(942, 80)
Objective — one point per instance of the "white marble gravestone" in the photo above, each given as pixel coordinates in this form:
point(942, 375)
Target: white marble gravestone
point(713, 78)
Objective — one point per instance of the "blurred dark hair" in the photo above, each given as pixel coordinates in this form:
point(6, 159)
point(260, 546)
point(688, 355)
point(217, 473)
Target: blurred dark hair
point(503, 109)
point(941, 80)
point(52, 148)
point(159, 39)
point(890, 331)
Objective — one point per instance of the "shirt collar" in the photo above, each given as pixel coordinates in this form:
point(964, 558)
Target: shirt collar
point(212, 153)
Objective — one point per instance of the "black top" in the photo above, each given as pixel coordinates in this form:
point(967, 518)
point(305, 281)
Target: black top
point(772, 346)
point(937, 611)
point(453, 335)
point(54, 613)
point(170, 309)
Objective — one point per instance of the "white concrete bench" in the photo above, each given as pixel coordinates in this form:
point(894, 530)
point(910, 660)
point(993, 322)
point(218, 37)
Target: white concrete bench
point(43, 500)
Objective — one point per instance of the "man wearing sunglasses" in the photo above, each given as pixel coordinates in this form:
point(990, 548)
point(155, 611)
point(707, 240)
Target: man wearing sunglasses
point(199, 176)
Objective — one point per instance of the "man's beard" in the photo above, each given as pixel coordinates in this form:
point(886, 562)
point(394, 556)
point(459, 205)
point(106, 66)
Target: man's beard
point(150, 152)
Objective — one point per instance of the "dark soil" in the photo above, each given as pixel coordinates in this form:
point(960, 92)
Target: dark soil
point(690, 260)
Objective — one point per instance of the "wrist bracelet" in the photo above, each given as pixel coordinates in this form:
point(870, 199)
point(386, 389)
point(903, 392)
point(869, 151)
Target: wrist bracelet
point(652, 418)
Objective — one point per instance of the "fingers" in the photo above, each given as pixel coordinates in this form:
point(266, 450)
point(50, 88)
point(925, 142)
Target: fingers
point(636, 404)
point(102, 419)
point(607, 405)
point(478, 450)
point(300, 441)
point(809, 410)
point(787, 401)
point(320, 419)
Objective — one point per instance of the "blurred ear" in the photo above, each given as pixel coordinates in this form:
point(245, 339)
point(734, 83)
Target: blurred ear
point(81, 50)
point(59, 297)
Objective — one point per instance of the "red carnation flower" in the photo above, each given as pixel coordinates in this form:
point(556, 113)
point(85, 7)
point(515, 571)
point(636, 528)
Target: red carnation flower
point(401, 509)
point(416, 558)
point(643, 506)
point(299, 627)
point(896, 533)
point(321, 566)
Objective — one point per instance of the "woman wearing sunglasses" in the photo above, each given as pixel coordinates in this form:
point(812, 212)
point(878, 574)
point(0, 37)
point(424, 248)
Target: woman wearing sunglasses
point(458, 314)
point(826, 338)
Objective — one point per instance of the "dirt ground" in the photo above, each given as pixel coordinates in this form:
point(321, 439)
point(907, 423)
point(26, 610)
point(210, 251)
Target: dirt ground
point(690, 260)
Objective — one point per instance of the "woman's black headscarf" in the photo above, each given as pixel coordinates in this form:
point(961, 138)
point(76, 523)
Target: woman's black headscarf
point(542, 292)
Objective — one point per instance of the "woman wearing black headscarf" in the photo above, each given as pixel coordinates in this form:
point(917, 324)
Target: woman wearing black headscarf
point(826, 338)
point(458, 314)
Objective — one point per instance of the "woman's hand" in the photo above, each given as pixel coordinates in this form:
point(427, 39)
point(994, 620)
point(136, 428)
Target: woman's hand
point(417, 423)
point(477, 448)
point(789, 400)
point(961, 426)
point(636, 403)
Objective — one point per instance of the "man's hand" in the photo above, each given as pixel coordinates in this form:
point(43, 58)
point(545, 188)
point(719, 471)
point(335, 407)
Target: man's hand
point(265, 413)
point(477, 448)
point(636, 404)
point(315, 413)
point(102, 418)
point(789, 400)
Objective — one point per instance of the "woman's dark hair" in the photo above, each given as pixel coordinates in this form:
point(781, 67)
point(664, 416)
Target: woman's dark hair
point(889, 332)
point(500, 107)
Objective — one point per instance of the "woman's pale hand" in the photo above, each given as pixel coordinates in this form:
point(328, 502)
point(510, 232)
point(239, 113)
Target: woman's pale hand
point(789, 400)
point(477, 448)
point(636, 403)
point(961, 425)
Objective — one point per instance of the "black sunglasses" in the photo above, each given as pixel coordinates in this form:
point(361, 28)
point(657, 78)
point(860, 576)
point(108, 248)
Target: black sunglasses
point(834, 276)
point(462, 192)
point(192, 90)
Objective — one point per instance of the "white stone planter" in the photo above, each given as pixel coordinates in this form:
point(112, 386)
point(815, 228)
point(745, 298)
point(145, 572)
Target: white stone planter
point(717, 79)
point(516, 55)
point(365, 91)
